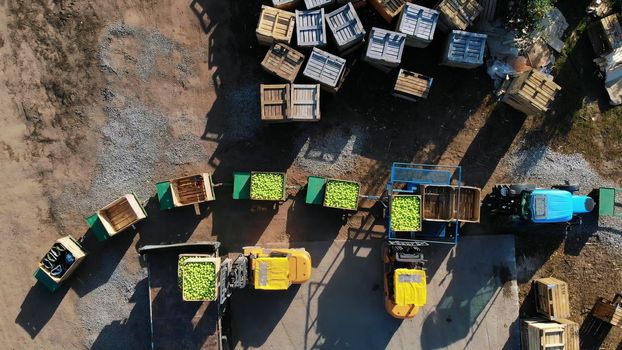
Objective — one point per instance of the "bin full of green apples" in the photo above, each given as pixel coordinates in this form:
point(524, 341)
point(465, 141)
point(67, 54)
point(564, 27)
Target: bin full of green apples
point(341, 194)
point(405, 213)
point(267, 186)
point(198, 277)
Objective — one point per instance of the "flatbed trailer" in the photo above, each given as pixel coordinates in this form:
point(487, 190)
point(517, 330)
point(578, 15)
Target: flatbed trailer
point(175, 323)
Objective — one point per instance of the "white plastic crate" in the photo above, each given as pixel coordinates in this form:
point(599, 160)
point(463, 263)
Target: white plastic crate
point(385, 47)
point(418, 23)
point(345, 26)
point(310, 28)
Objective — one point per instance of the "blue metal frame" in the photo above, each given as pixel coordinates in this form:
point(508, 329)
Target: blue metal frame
point(411, 176)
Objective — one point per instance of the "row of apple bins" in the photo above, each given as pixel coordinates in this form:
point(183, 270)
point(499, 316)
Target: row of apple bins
point(406, 211)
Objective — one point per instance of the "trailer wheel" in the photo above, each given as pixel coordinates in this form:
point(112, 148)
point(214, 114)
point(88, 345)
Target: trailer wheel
point(519, 188)
point(570, 188)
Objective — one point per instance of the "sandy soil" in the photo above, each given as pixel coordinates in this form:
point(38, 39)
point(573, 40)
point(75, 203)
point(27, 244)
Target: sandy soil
point(102, 98)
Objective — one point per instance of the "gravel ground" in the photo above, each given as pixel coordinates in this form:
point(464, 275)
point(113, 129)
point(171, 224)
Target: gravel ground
point(332, 153)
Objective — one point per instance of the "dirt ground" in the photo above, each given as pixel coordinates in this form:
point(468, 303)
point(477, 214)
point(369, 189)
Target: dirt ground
point(103, 98)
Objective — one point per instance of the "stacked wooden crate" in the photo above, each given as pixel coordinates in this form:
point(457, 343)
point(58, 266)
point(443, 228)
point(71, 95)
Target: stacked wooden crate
point(388, 9)
point(325, 68)
point(285, 4)
point(310, 28)
point(531, 92)
point(346, 28)
point(283, 62)
point(290, 102)
point(418, 23)
point(464, 49)
point(552, 298)
point(384, 48)
point(537, 334)
point(275, 25)
point(412, 86)
point(316, 4)
point(457, 14)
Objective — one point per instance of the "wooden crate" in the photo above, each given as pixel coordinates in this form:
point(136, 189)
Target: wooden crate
point(304, 103)
point(539, 334)
point(275, 99)
point(551, 298)
point(72, 246)
point(310, 28)
point(571, 334)
point(345, 27)
point(612, 31)
point(412, 86)
point(193, 189)
point(468, 204)
point(418, 23)
point(609, 311)
point(437, 203)
point(388, 9)
point(457, 14)
point(464, 49)
point(531, 93)
point(283, 62)
point(121, 214)
point(275, 26)
point(325, 68)
point(285, 4)
point(385, 47)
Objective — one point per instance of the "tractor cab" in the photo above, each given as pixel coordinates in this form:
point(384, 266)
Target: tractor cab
point(539, 205)
point(554, 206)
point(404, 279)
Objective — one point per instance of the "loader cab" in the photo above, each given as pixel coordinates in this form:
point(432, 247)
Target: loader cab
point(277, 269)
point(404, 281)
point(542, 206)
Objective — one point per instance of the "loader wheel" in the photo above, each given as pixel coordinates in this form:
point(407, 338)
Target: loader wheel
point(569, 188)
point(519, 188)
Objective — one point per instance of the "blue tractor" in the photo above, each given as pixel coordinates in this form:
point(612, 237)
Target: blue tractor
point(526, 203)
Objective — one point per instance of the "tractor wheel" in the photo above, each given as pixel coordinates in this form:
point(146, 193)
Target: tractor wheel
point(569, 188)
point(519, 188)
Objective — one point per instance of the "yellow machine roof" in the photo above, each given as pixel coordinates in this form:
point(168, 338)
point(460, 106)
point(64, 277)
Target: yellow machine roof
point(410, 287)
point(272, 273)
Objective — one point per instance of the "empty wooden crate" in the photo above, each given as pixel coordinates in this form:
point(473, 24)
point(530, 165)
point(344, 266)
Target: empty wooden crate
point(310, 28)
point(412, 86)
point(325, 68)
point(457, 14)
point(187, 190)
point(316, 4)
point(388, 9)
point(464, 49)
point(275, 25)
point(571, 334)
point(451, 203)
point(115, 217)
point(274, 102)
point(551, 298)
point(531, 93)
point(609, 311)
point(304, 103)
point(59, 263)
point(345, 27)
point(538, 334)
point(418, 23)
point(385, 47)
point(285, 4)
point(283, 62)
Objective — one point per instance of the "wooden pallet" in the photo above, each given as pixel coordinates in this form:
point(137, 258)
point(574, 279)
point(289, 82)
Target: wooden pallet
point(532, 92)
point(275, 26)
point(275, 102)
point(411, 86)
point(283, 62)
point(388, 9)
point(609, 311)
